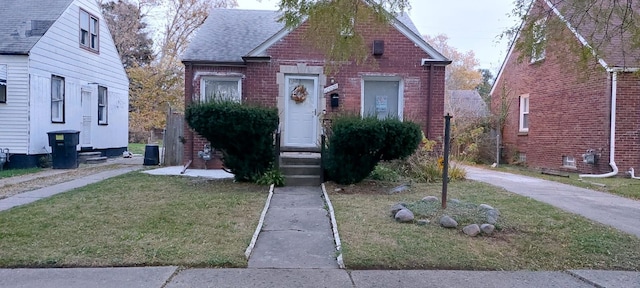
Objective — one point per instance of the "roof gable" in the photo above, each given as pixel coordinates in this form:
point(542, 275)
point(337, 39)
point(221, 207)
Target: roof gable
point(24, 22)
point(228, 35)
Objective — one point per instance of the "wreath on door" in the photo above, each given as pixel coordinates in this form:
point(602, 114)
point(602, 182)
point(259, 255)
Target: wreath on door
point(299, 94)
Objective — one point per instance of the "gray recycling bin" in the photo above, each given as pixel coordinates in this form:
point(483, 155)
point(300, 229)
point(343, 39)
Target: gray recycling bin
point(63, 148)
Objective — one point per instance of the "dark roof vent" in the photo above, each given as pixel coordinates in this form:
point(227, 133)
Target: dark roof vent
point(378, 47)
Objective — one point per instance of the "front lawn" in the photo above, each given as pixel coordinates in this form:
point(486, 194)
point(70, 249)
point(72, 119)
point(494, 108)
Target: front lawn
point(625, 187)
point(531, 235)
point(18, 172)
point(134, 220)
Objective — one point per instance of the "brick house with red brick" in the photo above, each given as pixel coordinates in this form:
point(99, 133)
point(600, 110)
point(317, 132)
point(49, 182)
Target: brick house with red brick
point(248, 56)
point(563, 118)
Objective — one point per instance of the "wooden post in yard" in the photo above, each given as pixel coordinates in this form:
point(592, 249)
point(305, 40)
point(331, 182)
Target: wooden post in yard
point(445, 168)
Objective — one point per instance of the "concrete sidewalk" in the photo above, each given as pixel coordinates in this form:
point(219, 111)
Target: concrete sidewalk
point(173, 277)
point(296, 233)
point(608, 209)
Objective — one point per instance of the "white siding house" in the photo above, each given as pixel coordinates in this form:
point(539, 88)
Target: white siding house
point(62, 72)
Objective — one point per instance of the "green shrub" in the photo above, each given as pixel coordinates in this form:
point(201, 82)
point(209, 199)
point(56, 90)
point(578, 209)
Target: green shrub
point(384, 173)
point(356, 145)
point(272, 176)
point(244, 135)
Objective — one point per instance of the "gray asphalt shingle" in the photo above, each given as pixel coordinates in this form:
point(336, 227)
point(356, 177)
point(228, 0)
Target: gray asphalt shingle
point(23, 22)
point(229, 34)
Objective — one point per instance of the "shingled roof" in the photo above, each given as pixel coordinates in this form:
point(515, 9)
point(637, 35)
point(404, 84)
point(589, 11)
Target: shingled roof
point(23, 22)
point(230, 34)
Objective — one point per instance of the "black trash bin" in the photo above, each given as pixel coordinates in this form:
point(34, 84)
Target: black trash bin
point(63, 148)
point(151, 155)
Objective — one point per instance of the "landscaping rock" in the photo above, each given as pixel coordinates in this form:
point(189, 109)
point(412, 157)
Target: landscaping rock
point(456, 201)
point(397, 207)
point(423, 222)
point(492, 216)
point(492, 220)
point(431, 199)
point(471, 230)
point(399, 189)
point(493, 212)
point(487, 228)
point(404, 215)
point(485, 207)
point(448, 222)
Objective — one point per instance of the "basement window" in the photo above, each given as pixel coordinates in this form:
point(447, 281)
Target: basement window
point(568, 161)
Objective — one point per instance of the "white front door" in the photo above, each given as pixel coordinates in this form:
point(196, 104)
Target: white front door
point(301, 111)
point(85, 134)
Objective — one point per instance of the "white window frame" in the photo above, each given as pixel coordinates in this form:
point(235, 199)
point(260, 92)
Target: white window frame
point(89, 31)
point(388, 79)
point(57, 99)
point(568, 161)
point(203, 80)
point(524, 103)
point(103, 102)
point(3, 83)
point(538, 51)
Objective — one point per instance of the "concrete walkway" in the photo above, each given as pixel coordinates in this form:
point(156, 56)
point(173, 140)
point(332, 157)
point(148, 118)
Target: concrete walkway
point(296, 232)
point(173, 277)
point(619, 212)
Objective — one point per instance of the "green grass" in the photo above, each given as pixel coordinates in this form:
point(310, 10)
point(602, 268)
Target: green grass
point(133, 220)
point(136, 148)
point(18, 172)
point(531, 235)
point(625, 187)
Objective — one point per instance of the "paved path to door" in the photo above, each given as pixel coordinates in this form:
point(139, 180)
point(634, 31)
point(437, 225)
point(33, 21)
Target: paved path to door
point(296, 232)
point(619, 212)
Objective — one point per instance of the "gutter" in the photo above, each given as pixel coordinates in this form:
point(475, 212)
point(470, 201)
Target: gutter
point(612, 140)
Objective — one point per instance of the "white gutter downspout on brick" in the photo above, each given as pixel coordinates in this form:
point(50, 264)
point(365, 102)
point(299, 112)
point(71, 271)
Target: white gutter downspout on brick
point(612, 141)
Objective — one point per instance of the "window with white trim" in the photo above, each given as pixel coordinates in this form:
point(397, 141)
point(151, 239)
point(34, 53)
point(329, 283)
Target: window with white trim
point(3, 83)
point(102, 105)
point(539, 34)
point(569, 161)
point(89, 28)
point(382, 98)
point(524, 113)
point(57, 99)
point(221, 88)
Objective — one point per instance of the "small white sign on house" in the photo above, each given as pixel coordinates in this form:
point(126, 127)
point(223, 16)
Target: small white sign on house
point(330, 88)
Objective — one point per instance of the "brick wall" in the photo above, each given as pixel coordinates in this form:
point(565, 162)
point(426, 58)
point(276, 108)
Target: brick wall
point(401, 58)
point(569, 112)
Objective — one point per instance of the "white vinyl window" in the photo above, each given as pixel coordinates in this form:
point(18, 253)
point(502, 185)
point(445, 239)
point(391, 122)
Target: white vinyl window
point(102, 105)
point(524, 113)
point(569, 161)
point(57, 99)
point(3, 83)
point(221, 88)
point(382, 97)
point(89, 27)
point(538, 50)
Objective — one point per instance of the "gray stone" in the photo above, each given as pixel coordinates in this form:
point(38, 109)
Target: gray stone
point(404, 215)
point(492, 220)
point(485, 207)
point(456, 201)
point(471, 230)
point(397, 207)
point(487, 228)
point(430, 199)
point(448, 222)
point(493, 212)
point(423, 222)
point(399, 189)
point(492, 216)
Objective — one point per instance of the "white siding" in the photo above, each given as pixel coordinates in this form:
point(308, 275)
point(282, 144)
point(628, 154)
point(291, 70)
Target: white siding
point(14, 115)
point(58, 53)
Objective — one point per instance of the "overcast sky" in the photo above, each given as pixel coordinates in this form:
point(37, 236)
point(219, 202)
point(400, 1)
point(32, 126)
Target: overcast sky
point(470, 24)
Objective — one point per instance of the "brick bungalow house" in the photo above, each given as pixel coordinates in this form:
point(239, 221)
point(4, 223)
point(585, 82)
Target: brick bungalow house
point(249, 56)
point(568, 119)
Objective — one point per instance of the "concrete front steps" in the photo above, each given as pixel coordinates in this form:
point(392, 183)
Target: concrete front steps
point(91, 158)
point(301, 168)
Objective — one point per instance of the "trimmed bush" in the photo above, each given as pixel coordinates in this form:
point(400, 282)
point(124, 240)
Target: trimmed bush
point(357, 144)
point(244, 135)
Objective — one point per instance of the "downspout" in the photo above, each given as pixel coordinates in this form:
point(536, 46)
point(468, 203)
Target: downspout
point(429, 100)
point(612, 141)
point(190, 95)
